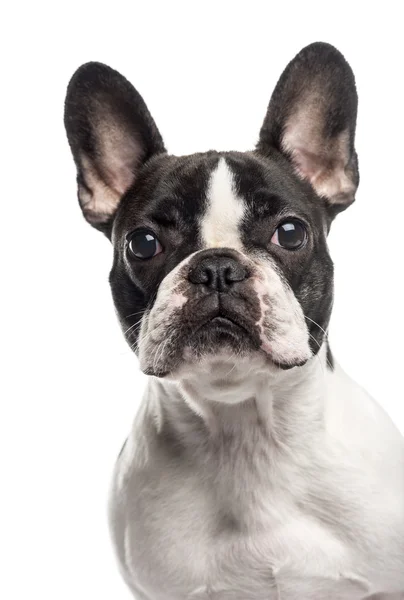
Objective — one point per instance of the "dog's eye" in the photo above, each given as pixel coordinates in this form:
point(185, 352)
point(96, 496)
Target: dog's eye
point(144, 244)
point(291, 235)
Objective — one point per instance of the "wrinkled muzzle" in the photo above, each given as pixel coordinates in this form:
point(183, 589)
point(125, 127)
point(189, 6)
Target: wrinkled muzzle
point(218, 301)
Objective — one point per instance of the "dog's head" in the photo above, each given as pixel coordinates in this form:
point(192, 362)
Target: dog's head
point(220, 253)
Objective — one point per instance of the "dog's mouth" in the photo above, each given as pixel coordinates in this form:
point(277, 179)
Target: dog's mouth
point(223, 325)
point(207, 326)
point(220, 329)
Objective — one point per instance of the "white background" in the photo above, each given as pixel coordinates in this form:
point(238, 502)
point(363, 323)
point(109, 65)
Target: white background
point(72, 386)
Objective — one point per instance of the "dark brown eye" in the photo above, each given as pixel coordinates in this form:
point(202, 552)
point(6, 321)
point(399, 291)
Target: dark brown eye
point(291, 235)
point(143, 244)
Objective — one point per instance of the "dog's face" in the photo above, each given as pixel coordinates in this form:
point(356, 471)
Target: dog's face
point(221, 253)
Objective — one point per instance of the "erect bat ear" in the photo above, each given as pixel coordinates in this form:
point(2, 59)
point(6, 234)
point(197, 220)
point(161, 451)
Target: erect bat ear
point(311, 119)
point(111, 134)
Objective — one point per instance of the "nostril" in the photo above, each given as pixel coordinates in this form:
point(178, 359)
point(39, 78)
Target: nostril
point(234, 273)
point(210, 276)
point(217, 273)
point(201, 275)
point(228, 277)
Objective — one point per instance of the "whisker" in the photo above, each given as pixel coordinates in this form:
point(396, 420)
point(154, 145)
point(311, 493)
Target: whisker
point(132, 327)
point(314, 339)
point(317, 356)
point(314, 323)
point(141, 339)
point(140, 312)
point(232, 369)
point(325, 333)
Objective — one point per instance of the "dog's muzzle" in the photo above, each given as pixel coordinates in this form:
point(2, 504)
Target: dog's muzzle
point(221, 296)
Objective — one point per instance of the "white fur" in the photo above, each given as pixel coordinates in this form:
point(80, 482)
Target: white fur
point(321, 450)
point(221, 222)
point(287, 340)
point(156, 324)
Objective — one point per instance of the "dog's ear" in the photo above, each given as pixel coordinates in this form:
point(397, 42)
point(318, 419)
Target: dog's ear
point(311, 119)
point(111, 134)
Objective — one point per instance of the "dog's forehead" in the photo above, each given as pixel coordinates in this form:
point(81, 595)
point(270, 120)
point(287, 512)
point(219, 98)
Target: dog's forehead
point(219, 194)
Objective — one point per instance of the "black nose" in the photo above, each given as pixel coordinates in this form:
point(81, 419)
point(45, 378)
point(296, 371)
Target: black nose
point(217, 273)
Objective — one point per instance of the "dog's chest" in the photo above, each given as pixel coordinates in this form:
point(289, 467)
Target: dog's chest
point(184, 546)
point(298, 560)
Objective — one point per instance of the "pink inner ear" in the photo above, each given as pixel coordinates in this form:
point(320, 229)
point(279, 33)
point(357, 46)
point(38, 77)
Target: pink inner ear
point(98, 200)
point(321, 161)
point(120, 155)
point(307, 164)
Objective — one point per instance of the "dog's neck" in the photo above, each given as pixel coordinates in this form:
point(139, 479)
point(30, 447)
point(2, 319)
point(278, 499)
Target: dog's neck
point(242, 439)
point(286, 407)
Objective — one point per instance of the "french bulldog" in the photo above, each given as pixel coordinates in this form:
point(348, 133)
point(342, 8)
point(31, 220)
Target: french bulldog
point(256, 468)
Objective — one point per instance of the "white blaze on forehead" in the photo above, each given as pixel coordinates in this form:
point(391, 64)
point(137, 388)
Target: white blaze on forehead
point(220, 226)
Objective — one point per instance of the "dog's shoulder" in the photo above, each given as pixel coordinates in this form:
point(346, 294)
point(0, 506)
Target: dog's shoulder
point(361, 425)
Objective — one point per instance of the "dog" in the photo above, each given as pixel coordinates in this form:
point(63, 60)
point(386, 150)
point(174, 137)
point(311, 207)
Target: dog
point(256, 469)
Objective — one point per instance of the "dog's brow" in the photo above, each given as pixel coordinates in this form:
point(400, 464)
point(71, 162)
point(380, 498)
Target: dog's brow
point(165, 220)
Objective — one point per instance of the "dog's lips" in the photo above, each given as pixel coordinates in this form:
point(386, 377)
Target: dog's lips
point(219, 324)
point(222, 322)
point(221, 310)
point(230, 326)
